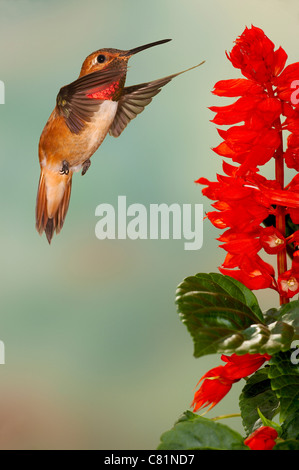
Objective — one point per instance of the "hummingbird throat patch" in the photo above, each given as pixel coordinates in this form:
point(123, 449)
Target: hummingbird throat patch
point(106, 94)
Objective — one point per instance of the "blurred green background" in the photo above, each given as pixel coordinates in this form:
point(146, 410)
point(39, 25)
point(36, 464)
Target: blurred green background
point(96, 356)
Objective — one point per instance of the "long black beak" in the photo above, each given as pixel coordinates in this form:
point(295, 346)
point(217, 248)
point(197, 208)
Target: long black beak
point(141, 48)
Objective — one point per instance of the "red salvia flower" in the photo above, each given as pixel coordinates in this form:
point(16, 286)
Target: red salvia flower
point(218, 381)
point(213, 389)
point(262, 439)
point(238, 367)
point(288, 282)
point(253, 273)
point(267, 104)
point(271, 240)
point(254, 54)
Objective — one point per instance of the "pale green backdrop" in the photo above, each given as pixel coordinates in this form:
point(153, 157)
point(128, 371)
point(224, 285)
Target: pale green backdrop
point(96, 356)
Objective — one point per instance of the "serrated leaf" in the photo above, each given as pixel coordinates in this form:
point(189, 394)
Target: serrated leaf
point(193, 432)
point(289, 313)
point(237, 290)
point(223, 316)
point(284, 378)
point(257, 394)
point(261, 339)
point(290, 427)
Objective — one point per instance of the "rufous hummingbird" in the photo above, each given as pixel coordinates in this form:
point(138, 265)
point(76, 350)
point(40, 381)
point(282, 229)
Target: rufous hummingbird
point(86, 110)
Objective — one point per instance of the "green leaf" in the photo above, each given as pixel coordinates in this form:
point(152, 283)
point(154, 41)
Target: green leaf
point(257, 394)
point(284, 378)
point(289, 444)
point(237, 290)
point(290, 427)
point(223, 316)
point(271, 315)
point(268, 422)
point(193, 432)
point(289, 313)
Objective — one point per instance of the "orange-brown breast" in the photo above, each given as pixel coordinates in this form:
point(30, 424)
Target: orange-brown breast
point(58, 143)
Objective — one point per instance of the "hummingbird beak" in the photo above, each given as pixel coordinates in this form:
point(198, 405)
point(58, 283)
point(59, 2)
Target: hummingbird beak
point(141, 48)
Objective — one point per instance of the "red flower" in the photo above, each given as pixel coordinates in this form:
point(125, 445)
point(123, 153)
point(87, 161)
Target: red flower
point(254, 273)
point(267, 104)
point(272, 240)
point(237, 87)
point(262, 439)
point(241, 208)
point(218, 381)
point(288, 282)
point(291, 154)
point(286, 91)
point(254, 54)
point(213, 389)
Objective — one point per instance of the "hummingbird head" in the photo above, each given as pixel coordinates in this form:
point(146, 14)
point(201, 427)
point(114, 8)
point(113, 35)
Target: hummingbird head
point(112, 58)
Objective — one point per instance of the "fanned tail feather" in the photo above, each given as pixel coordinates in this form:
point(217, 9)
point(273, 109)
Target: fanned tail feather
point(50, 214)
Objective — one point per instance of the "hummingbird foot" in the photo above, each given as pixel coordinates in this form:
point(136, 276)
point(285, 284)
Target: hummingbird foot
point(85, 166)
point(65, 168)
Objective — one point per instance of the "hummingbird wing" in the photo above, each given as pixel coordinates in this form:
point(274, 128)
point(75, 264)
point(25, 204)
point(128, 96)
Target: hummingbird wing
point(74, 103)
point(134, 100)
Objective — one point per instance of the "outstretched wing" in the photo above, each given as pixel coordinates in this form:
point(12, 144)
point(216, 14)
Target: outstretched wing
point(134, 100)
point(74, 101)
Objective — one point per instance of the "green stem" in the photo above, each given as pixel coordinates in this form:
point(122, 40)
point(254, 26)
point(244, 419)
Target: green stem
point(232, 415)
point(280, 220)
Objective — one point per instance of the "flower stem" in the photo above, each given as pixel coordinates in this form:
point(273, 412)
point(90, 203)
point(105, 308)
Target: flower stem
point(233, 415)
point(280, 218)
point(280, 211)
point(280, 215)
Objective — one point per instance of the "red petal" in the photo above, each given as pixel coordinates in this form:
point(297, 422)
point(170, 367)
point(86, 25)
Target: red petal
point(249, 245)
point(290, 73)
point(237, 87)
point(294, 214)
point(262, 438)
point(224, 150)
point(282, 198)
point(236, 112)
point(211, 392)
point(254, 273)
point(239, 366)
point(280, 58)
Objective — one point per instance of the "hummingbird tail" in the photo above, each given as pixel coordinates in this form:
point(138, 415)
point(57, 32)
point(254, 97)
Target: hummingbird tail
point(52, 202)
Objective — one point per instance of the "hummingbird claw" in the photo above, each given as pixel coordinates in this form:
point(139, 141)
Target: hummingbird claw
point(85, 166)
point(65, 168)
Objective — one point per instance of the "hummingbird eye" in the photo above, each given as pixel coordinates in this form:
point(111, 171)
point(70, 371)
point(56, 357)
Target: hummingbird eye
point(101, 58)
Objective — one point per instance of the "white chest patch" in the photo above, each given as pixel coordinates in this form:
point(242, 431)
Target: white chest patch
point(97, 129)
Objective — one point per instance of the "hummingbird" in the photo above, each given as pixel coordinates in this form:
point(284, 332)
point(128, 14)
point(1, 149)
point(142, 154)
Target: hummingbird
point(86, 110)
